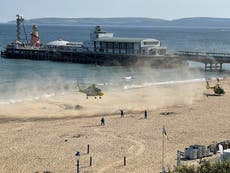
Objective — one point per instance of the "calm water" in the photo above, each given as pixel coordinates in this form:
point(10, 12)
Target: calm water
point(24, 79)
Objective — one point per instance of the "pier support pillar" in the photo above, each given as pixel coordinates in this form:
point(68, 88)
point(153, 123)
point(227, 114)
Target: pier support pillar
point(221, 65)
point(215, 66)
point(211, 65)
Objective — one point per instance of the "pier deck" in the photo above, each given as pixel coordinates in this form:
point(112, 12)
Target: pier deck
point(211, 60)
point(91, 57)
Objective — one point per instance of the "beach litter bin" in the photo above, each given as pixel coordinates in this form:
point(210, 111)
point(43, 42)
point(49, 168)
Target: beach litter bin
point(226, 154)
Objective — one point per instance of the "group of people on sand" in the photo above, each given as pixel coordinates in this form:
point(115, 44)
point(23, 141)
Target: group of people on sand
point(122, 116)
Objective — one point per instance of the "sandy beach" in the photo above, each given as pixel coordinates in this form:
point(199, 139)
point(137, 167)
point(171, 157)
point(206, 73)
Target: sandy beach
point(44, 134)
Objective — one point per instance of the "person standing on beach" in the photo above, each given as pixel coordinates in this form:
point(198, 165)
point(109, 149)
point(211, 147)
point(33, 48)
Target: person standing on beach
point(102, 121)
point(122, 113)
point(145, 114)
point(221, 150)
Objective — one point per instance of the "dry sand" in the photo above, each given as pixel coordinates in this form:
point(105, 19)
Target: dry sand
point(44, 135)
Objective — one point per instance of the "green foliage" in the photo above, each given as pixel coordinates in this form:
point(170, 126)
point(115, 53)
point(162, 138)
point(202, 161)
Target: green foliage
point(204, 167)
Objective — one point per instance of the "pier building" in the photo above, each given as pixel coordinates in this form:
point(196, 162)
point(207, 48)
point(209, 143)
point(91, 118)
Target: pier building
point(105, 42)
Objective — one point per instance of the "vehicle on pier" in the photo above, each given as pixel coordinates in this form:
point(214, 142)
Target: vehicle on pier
point(92, 90)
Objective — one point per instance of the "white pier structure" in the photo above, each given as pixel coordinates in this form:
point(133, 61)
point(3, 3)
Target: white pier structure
point(104, 42)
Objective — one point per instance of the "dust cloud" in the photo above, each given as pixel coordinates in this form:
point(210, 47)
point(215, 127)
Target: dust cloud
point(150, 96)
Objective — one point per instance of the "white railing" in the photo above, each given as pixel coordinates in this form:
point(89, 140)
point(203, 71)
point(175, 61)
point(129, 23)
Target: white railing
point(210, 54)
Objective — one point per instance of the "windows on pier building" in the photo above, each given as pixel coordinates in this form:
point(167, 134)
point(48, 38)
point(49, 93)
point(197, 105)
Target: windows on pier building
point(118, 45)
point(104, 42)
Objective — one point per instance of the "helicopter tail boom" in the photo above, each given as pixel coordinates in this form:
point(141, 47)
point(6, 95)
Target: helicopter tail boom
point(208, 86)
point(79, 88)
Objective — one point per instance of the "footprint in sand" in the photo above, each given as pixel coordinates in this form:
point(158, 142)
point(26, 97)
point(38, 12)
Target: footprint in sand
point(141, 149)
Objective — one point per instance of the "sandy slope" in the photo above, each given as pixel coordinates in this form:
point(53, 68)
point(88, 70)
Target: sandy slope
point(33, 134)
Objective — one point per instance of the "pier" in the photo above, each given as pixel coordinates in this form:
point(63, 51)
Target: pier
point(212, 61)
point(89, 57)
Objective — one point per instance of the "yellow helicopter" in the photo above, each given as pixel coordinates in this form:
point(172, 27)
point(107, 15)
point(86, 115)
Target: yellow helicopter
point(92, 90)
point(216, 89)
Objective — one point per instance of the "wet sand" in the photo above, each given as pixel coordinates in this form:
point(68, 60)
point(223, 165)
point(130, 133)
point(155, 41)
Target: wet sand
point(44, 135)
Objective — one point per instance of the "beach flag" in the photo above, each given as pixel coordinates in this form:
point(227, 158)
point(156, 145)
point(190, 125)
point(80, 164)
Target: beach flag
point(164, 132)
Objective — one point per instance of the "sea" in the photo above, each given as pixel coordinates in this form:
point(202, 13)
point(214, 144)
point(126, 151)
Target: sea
point(25, 80)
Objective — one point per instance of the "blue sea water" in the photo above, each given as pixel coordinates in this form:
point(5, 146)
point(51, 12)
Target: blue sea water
point(26, 79)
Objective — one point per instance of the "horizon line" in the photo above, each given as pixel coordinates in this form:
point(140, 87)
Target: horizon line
point(115, 18)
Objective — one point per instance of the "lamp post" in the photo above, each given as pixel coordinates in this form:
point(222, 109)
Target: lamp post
point(178, 158)
point(78, 161)
point(163, 153)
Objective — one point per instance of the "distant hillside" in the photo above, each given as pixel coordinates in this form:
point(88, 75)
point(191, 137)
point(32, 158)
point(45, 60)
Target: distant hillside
point(202, 22)
point(184, 22)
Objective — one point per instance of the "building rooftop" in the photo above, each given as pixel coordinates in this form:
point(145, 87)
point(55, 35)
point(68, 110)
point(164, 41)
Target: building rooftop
point(63, 43)
point(58, 43)
point(124, 39)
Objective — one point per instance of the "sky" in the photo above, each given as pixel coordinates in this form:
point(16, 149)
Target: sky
point(163, 9)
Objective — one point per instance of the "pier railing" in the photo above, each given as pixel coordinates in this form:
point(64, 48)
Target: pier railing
point(209, 54)
point(211, 60)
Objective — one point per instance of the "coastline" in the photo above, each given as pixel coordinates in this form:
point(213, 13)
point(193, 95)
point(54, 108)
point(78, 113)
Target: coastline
point(33, 133)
